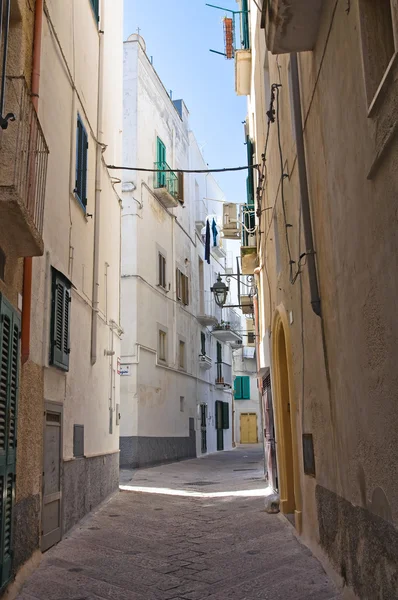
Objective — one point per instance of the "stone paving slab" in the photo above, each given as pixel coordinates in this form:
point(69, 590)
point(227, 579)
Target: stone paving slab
point(151, 546)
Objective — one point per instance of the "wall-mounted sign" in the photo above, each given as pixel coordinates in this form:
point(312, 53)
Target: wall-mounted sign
point(125, 370)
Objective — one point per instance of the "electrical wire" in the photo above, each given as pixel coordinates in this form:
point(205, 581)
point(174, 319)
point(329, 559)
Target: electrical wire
point(224, 170)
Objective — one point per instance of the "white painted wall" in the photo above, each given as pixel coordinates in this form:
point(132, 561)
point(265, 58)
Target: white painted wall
point(150, 393)
point(69, 87)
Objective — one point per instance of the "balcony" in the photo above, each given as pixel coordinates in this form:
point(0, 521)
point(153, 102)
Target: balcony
point(291, 26)
point(224, 375)
point(23, 174)
point(209, 313)
point(166, 186)
point(205, 362)
point(228, 330)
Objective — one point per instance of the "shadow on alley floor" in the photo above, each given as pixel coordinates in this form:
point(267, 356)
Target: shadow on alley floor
point(185, 531)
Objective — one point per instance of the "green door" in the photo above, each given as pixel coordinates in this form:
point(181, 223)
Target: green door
point(9, 377)
point(161, 162)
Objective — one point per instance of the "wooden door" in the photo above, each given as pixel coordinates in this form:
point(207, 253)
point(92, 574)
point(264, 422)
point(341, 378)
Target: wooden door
point(248, 428)
point(52, 494)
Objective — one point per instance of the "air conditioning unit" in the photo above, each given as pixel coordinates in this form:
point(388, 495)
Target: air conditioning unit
point(231, 228)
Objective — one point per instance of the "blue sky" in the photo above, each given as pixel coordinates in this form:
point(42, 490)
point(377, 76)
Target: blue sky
point(179, 34)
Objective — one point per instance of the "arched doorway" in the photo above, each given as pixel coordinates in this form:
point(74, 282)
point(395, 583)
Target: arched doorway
point(285, 413)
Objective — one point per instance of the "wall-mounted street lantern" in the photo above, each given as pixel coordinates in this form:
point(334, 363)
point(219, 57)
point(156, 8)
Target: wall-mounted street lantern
point(220, 291)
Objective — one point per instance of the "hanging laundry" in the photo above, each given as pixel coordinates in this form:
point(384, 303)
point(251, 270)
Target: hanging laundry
point(215, 232)
point(207, 242)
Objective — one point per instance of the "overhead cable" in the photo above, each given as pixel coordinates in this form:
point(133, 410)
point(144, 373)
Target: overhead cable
point(226, 169)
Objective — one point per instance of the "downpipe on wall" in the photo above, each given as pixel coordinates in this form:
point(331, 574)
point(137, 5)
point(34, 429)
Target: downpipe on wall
point(97, 207)
point(305, 202)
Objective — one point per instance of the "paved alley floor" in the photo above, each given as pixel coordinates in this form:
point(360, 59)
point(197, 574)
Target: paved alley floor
point(186, 531)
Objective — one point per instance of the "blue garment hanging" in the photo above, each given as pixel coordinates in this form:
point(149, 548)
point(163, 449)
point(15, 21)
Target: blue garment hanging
point(215, 232)
point(207, 242)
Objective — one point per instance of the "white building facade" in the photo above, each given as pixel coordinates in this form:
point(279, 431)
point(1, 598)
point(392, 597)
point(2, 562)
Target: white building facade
point(176, 372)
point(75, 322)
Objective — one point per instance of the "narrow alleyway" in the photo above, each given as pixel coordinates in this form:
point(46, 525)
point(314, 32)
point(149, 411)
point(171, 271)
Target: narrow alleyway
point(185, 531)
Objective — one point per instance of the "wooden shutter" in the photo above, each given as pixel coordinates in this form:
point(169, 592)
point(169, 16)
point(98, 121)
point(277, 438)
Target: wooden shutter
point(95, 5)
point(178, 284)
point(225, 415)
point(238, 388)
point(245, 387)
point(9, 377)
point(60, 327)
point(185, 289)
point(219, 413)
point(219, 352)
point(81, 162)
point(180, 187)
point(160, 162)
point(203, 343)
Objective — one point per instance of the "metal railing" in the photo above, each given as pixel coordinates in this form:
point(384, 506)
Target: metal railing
point(232, 318)
point(24, 152)
point(167, 179)
point(224, 373)
point(248, 219)
point(207, 305)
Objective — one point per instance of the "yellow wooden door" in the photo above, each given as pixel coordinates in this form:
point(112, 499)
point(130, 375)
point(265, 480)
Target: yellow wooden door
point(248, 428)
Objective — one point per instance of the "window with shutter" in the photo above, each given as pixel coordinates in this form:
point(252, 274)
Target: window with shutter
point(81, 163)
point(180, 186)
point(162, 270)
point(242, 388)
point(185, 289)
point(9, 377)
point(203, 343)
point(60, 321)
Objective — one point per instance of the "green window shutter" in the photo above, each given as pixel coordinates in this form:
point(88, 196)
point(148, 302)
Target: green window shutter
point(219, 414)
point(95, 6)
point(202, 342)
point(246, 388)
point(250, 176)
point(81, 163)
point(9, 378)
point(225, 415)
point(245, 25)
point(238, 388)
point(219, 352)
point(60, 321)
point(160, 162)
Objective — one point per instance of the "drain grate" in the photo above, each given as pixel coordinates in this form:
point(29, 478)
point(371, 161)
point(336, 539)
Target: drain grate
point(236, 470)
point(201, 483)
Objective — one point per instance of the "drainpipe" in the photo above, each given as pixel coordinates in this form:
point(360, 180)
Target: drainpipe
point(27, 272)
point(97, 209)
point(305, 202)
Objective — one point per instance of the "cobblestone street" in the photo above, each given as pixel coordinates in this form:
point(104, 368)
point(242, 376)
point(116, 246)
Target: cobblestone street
point(186, 531)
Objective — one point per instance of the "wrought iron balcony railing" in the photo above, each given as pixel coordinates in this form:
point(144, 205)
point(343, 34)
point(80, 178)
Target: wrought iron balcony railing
point(224, 374)
point(23, 173)
point(167, 179)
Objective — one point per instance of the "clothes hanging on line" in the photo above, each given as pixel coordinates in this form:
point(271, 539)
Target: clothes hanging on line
point(207, 242)
point(214, 230)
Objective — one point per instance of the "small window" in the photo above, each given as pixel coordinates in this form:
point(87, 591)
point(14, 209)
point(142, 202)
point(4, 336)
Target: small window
point(181, 355)
point(60, 321)
point(162, 270)
point(182, 287)
point(95, 6)
point(242, 388)
point(203, 343)
point(2, 264)
point(250, 337)
point(162, 350)
point(182, 403)
point(81, 163)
